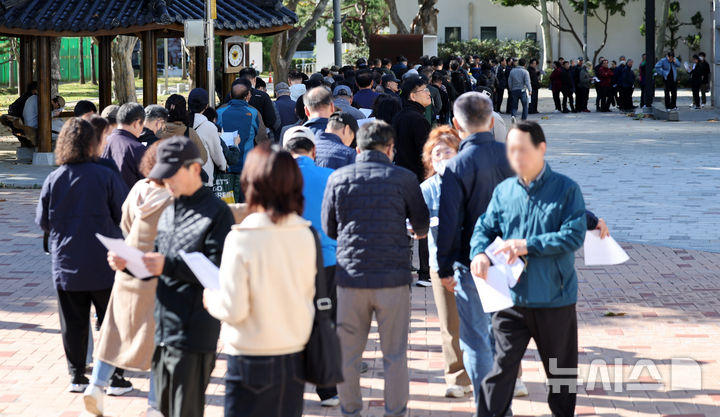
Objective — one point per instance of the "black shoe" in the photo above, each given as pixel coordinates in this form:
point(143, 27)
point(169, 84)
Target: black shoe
point(364, 367)
point(119, 386)
point(78, 383)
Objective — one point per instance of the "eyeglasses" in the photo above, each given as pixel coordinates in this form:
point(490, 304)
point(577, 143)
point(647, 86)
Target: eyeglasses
point(424, 90)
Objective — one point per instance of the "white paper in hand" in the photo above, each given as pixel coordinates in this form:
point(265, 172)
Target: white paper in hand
point(494, 292)
point(206, 272)
point(133, 256)
point(603, 251)
point(500, 260)
point(228, 138)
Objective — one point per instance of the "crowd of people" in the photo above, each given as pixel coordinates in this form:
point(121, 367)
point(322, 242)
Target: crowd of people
point(343, 176)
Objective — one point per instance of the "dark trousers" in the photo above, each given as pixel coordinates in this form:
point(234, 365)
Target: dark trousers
point(74, 309)
point(556, 99)
point(696, 95)
point(605, 97)
point(567, 94)
point(555, 333)
point(424, 259)
point(626, 102)
point(328, 392)
point(582, 95)
point(264, 386)
point(499, 92)
point(670, 93)
point(534, 101)
point(181, 378)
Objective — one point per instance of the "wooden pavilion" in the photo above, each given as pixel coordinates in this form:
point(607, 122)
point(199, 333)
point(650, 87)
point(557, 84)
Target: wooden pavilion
point(35, 22)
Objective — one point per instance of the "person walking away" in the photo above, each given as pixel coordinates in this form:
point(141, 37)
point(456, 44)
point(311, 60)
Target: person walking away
point(373, 198)
point(365, 96)
point(510, 66)
point(207, 132)
point(122, 144)
point(261, 101)
point(441, 146)
point(467, 185)
point(598, 89)
point(300, 143)
point(502, 76)
point(333, 147)
point(583, 88)
point(179, 124)
point(520, 87)
point(285, 107)
point(156, 117)
point(535, 84)
point(80, 272)
point(343, 100)
point(241, 118)
point(605, 75)
point(318, 107)
point(546, 235)
point(568, 88)
point(267, 285)
point(556, 85)
point(411, 132)
point(706, 73)
point(185, 334)
point(696, 80)
point(667, 68)
point(126, 335)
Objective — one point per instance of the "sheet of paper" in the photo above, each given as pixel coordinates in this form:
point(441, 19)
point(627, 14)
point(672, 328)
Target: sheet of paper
point(603, 251)
point(132, 255)
point(228, 138)
point(363, 121)
point(366, 112)
point(206, 272)
point(500, 260)
point(494, 292)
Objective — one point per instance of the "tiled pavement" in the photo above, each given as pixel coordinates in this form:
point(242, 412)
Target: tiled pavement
point(669, 297)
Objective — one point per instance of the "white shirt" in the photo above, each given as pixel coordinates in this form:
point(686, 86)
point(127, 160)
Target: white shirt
point(208, 133)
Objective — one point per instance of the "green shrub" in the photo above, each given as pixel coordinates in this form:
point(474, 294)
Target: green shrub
point(493, 48)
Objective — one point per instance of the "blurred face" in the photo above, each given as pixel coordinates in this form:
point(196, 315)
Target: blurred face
point(525, 159)
point(421, 95)
point(392, 86)
point(155, 125)
point(185, 182)
point(442, 152)
point(605, 64)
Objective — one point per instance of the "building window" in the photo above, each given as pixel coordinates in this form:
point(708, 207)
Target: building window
point(488, 32)
point(531, 36)
point(452, 34)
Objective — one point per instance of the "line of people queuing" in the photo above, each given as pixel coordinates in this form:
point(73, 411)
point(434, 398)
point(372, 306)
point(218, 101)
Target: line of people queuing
point(367, 187)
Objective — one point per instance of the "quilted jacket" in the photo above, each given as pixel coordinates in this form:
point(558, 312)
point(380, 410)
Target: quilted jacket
point(198, 223)
point(331, 152)
point(364, 208)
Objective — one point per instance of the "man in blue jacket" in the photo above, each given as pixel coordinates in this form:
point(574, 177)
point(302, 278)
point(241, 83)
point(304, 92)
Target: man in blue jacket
point(667, 68)
point(467, 186)
point(242, 118)
point(541, 217)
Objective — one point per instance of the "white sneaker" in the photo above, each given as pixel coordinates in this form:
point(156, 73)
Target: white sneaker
point(513, 120)
point(457, 391)
point(520, 389)
point(557, 111)
point(93, 398)
point(331, 402)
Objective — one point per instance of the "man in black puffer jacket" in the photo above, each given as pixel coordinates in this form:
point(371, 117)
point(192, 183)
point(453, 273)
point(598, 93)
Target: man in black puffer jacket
point(185, 333)
point(364, 209)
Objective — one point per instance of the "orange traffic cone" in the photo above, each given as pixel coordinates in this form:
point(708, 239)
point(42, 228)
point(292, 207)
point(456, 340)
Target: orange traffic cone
point(270, 78)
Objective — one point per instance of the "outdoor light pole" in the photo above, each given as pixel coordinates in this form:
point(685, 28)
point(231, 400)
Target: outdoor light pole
point(337, 32)
point(715, 59)
point(649, 55)
point(210, 14)
point(585, 55)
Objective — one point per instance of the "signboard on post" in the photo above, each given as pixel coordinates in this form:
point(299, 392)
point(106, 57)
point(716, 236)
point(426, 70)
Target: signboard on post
point(194, 33)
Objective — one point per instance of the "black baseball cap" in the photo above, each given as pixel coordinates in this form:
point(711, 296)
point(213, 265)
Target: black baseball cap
point(389, 77)
point(345, 118)
point(172, 154)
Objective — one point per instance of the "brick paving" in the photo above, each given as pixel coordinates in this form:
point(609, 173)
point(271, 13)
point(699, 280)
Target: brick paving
point(669, 297)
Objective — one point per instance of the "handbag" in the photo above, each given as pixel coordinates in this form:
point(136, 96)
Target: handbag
point(322, 360)
point(226, 186)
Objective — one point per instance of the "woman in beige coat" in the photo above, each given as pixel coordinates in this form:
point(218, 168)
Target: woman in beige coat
point(127, 333)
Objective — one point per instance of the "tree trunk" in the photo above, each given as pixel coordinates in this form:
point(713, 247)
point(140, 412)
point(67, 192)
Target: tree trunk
point(662, 28)
point(54, 66)
point(82, 61)
point(281, 65)
point(547, 39)
point(183, 52)
point(395, 18)
point(426, 20)
point(191, 67)
point(123, 75)
point(93, 69)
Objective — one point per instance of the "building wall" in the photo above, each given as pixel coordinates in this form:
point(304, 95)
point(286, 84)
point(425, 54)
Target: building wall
point(624, 36)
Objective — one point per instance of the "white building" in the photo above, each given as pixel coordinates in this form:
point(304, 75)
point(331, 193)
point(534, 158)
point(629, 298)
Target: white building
point(483, 19)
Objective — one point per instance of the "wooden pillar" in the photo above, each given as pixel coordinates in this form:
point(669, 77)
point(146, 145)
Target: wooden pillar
point(149, 66)
point(26, 62)
point(227, 82)
point(44, 130)
point(200, 75)
point(104, 71)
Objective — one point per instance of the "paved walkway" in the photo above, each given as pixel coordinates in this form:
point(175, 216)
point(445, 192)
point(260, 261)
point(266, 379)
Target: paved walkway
point(669, 297)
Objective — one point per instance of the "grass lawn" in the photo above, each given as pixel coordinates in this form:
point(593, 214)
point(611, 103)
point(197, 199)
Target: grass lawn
point(74, 92)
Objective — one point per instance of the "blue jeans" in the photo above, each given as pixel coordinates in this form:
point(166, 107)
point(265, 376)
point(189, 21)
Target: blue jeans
point(516, 95)
point(103, 371)
point(475, 329)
